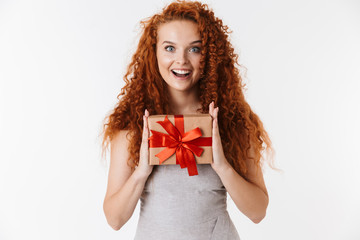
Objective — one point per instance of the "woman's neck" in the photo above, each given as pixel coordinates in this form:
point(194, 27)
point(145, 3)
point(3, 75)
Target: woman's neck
point(182, 102)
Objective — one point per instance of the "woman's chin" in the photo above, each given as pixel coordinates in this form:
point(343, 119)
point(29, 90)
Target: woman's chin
point(186, 88)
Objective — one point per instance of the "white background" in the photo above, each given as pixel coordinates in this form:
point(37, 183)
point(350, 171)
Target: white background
point(61, 68)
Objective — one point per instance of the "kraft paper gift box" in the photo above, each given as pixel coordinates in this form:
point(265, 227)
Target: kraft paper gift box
point(180, 139)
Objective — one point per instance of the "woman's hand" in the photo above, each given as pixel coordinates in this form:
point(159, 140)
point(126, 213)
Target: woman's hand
point(144, 166)
point(219, 160)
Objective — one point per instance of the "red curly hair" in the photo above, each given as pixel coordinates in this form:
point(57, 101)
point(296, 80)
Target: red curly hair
point(240, 128)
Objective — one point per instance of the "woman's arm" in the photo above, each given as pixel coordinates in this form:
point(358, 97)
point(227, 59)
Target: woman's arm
point(250, 197)
point(125, 186)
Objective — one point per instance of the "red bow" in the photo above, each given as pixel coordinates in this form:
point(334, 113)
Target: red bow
point(184, 144)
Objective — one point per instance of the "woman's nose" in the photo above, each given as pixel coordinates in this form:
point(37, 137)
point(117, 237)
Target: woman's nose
point(181, 58)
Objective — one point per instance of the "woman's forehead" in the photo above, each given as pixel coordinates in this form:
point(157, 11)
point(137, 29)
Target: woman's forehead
point(179, 31)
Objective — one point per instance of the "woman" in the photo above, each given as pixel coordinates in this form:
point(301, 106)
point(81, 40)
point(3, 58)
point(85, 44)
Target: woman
point(184, 64)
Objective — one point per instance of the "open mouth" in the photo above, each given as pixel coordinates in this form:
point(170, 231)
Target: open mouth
point(181, 73)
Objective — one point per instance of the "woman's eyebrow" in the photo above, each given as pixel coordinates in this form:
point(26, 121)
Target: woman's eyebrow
point(168, 42)
point(197, 41)
point(194, 42)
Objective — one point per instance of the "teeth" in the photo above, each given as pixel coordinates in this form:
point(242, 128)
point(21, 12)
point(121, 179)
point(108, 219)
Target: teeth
point(181, 71)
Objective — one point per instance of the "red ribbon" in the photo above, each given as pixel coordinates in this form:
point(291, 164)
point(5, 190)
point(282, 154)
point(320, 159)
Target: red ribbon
point(185, 145)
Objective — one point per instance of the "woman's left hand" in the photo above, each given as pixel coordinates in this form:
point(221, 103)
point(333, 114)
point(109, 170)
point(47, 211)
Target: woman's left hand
point(219, 160)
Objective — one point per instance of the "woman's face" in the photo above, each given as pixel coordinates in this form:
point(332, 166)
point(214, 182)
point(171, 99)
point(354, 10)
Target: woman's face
point(178, 54)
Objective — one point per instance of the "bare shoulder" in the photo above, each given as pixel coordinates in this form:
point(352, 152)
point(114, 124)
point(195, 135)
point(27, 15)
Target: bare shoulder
point(119, 171)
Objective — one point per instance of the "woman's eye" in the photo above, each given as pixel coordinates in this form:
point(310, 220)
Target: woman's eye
point(195, 49)
point(169, 48)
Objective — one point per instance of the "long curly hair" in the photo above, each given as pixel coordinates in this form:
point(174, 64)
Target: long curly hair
point(220, 81)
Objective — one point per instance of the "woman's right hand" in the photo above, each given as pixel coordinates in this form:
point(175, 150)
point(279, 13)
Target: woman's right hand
point(144, 166)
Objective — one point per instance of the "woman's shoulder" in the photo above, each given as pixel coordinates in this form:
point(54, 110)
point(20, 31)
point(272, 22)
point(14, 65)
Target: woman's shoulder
point(120, 137)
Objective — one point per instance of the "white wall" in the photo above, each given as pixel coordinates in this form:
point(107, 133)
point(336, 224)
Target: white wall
point(61, 67)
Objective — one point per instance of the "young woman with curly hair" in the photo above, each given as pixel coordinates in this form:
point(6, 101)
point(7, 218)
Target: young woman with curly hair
point(184, 64)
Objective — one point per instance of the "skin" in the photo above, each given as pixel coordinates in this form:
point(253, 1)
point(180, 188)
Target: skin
point(125, 186)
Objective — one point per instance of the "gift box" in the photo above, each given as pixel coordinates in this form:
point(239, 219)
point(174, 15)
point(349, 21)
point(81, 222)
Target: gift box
point(180, 139)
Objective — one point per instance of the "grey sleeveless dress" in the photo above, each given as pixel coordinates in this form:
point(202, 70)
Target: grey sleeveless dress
point(176, 206)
